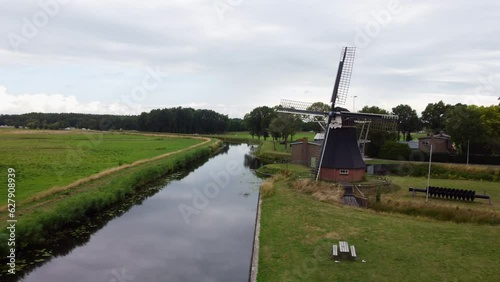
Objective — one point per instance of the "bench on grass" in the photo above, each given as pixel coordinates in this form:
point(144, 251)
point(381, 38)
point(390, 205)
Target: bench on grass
point(343, 251)
point(353, 252)
point(335, 251)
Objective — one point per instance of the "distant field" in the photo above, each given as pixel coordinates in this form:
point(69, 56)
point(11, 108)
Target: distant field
point(297, 233)
point(44, 159)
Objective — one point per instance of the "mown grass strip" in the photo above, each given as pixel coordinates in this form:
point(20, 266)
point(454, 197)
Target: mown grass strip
point(297, 233)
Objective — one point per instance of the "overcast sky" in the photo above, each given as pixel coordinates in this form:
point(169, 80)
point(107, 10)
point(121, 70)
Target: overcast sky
point(125, 57)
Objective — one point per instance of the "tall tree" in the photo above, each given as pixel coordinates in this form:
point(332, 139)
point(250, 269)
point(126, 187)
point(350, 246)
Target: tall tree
point(314, 122)
point(258, 120)
point(236, 124)
point(377, 138)
point(463, 123)
point(286, 125)
point(478, 127)
point(434, 116)
point(490, 117)
point(408, 120)
point(374, 110)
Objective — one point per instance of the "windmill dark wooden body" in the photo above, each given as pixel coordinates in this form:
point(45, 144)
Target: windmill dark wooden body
point(340, 157)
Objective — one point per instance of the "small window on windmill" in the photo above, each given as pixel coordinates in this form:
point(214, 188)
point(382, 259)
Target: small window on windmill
point(425, 142)
point(344, 171)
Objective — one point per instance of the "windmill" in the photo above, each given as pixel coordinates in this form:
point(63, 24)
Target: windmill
point(340, 157)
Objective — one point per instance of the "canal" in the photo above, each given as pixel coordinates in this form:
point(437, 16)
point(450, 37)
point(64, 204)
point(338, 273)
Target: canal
point(198, 227)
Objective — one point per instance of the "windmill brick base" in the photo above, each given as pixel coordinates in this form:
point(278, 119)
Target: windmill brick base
point(342, 161)
point(342, 175)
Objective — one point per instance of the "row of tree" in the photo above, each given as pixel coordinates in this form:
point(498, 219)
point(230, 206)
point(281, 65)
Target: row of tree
point(265, 121)
point(174, 120)
point(183, 120)
point(65, 120)
point(468, 125)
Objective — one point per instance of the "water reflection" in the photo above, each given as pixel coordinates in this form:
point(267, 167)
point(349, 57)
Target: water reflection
point(251, 162)
point(152, 241)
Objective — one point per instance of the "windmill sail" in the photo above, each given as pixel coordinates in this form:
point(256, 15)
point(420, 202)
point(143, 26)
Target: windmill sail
point(377, 121)
point(297, 107)
point(344, 73)
point(340, 156)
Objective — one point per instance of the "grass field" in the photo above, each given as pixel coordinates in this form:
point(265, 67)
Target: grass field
point(44, 159)
point(40, 217)
point(297, 233)
point(491, 188)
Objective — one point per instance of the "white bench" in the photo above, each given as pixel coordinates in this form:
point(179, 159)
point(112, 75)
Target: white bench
point(353, 252)
point(335, 251)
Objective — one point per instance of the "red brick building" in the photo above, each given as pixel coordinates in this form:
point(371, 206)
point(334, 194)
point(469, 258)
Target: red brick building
point(306, 153)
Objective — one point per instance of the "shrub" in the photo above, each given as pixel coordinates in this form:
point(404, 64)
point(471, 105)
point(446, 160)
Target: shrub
point(322, 191)
point(393, 150)
point(267, 189)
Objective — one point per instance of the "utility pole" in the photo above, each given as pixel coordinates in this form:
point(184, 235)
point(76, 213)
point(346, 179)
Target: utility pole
point(429, 176)
point(468, 152)
point(354, 103)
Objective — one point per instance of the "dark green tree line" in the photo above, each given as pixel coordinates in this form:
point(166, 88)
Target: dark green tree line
point(173, 120)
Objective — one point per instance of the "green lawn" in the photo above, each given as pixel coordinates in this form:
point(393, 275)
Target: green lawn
point(414, 135)
point(382, 161)
point(297, 233)
point(491, 188)
point(44, 159)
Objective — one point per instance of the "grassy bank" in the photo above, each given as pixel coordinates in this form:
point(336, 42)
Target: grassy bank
point(40, 218)
point(297, 232)
point(402, 201)
point(285, 168)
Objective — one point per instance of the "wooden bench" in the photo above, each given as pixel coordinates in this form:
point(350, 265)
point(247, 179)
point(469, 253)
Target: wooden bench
point(353, 252)
point(344, 249)
point(335, 251)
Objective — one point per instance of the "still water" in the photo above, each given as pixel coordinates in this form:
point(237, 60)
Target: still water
point(198, 228)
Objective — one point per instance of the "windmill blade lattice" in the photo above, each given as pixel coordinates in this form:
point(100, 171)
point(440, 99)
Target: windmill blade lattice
point(344, 74)
point(377, 121)
point(298, 107)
